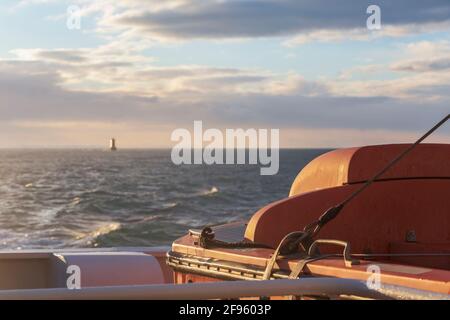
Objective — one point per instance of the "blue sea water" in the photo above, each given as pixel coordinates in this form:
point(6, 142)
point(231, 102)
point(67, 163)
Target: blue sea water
point(96, 198)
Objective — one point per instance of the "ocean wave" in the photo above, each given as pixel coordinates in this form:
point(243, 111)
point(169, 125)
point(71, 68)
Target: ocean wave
point(168, 206)
point(211, 191)
point(136, 220)
point(72, 198)
point(47, 215)
point(75, 201)
point(100, 230)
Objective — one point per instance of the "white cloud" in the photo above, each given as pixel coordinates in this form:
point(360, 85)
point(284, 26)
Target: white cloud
point(425, 57)
point(118, 87)
point(363, 34)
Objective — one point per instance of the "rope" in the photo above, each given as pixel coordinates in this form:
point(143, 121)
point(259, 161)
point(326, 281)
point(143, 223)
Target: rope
point(314, 228)
point(302, 240)
point(207, 240)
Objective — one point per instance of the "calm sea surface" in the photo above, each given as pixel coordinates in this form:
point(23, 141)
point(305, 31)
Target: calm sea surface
point(95, 198)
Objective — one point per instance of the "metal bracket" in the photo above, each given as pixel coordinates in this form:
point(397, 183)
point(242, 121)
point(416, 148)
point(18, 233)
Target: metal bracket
point(313, 250)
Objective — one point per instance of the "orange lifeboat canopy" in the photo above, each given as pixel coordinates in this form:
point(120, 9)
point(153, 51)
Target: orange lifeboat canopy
point(401, 223)
point(405, 211)
point(356, 165)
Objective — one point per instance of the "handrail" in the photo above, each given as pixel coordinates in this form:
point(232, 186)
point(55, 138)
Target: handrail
point(349, 262)
point(226, 290)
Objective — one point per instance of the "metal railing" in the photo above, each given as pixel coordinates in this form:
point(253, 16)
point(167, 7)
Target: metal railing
point(331, 287)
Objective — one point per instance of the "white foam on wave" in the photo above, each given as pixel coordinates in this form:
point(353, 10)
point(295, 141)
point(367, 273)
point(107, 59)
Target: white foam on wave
point(47, 215)
point(169, 205)
point(100, 230)
point(75, 201)
point(213, 190)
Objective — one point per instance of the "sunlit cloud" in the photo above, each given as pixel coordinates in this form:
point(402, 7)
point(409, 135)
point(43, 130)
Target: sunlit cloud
point(81, 94)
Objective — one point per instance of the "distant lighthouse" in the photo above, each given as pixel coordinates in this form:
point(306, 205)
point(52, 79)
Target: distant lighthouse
point(113, 144)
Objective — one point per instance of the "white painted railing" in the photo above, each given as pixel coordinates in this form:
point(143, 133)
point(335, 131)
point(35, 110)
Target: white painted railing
point(227, 290)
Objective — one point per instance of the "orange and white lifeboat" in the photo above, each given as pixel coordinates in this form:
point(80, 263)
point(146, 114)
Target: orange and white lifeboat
point(397, 229)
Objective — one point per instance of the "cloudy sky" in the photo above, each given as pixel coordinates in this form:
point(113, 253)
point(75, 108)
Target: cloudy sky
point(138, 69)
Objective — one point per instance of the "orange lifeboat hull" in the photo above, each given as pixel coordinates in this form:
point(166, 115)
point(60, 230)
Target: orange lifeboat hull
point(400, 224)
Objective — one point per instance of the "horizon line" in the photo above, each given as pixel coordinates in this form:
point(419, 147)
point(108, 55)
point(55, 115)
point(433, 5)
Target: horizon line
point(140, 148)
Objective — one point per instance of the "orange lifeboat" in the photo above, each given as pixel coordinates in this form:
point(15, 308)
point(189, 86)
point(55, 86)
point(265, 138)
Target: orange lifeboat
point(397, 229)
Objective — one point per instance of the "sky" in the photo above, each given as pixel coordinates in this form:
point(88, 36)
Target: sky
point(138, 69)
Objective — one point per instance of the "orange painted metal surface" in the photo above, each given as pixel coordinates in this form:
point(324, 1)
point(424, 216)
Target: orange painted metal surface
point(180, 277)
point(381, 215)
point(402, 248)
point(326, 171)
point(353, 165)
point(434, 280)
point(392, 272)
point(407, 211)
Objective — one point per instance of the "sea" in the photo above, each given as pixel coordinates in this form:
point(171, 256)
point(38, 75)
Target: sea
point(76, 198)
